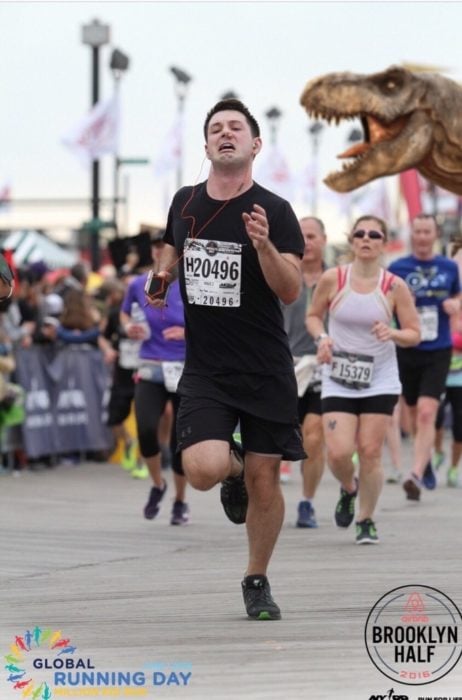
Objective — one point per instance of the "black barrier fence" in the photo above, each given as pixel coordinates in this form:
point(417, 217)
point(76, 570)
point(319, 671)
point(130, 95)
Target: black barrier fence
point(67, 391)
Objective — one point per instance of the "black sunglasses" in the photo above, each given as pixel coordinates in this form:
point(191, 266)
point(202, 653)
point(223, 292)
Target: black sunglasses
point(373, 235)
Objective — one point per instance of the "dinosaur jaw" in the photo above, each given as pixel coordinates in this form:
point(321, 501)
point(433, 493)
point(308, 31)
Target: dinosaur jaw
point(388, 148)
point(374, 157)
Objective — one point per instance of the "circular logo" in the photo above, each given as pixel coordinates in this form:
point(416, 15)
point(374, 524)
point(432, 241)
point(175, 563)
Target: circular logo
point(413, 635)
point(211, 248)
point(52, 646)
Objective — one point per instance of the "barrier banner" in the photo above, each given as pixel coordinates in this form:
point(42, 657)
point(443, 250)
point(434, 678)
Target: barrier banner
point(66, 395)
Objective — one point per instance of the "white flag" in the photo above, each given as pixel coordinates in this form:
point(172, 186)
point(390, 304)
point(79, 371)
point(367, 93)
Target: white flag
point(274, 174)
point(171, 151)
point(97, 133)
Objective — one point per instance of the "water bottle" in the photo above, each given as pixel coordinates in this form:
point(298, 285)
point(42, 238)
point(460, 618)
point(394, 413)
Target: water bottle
point(138, 316)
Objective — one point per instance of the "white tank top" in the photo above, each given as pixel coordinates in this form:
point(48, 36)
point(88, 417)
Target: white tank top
point(351, 317)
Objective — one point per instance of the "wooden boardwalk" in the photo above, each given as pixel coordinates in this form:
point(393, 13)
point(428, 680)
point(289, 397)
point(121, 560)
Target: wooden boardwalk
point(77, 557)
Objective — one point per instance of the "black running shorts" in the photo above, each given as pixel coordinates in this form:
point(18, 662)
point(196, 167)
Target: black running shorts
point(383, 403)
point(310, 402)
point(423, 373)
point(203, 418)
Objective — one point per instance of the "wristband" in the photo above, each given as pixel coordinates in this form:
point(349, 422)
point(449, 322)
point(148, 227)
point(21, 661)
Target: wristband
point(320, 337)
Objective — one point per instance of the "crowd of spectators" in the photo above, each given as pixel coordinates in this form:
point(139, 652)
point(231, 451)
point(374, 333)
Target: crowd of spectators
point(58, 308)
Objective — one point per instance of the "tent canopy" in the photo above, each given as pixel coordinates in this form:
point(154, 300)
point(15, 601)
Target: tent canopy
point(31, 246)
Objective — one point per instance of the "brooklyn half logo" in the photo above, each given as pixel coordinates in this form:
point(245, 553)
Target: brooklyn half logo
point(413, 635)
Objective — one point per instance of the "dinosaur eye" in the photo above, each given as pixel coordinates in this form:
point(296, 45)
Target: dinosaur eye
point(390, 82)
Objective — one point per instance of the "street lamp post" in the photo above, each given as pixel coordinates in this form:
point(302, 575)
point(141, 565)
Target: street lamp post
point(355, 136)
point(118, 64)
point(182, 79)
point(95, 35)
point(229, 95)
point(315, 132)
point(273, 115)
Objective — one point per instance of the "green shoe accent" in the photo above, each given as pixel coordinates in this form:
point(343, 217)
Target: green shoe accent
point(129, 457)
point(366, 532)
point(355, 459)
point(264, 616)
point(453, 478)
point(438, 459)
point(141, 472)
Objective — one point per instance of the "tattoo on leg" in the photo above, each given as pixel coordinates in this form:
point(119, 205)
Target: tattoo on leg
point(331, 424)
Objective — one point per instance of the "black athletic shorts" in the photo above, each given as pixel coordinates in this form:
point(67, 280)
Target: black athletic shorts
point(204, 418)
point(121, 397)
point(453, 398)
point(383, 403)
point(310, 402)
point(423, 373)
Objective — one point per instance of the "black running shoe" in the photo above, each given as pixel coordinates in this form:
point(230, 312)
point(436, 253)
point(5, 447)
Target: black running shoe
point(233, 493)
point(152, 507)
point(258, 600)
point(345, 509)
point(180, 513)
point(366, 532)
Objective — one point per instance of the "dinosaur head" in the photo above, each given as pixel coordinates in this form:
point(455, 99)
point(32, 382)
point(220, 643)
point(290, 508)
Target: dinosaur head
point(391, 108)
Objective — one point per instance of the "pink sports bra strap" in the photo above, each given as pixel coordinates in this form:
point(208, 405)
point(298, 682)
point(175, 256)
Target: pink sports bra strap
point(387, 281)
point(341, 277)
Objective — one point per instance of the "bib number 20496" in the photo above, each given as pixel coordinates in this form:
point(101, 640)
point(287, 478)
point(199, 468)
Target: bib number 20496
point(212, 272)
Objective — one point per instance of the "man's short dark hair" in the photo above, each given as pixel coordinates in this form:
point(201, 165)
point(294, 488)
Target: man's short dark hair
point(426, 217)
point(237, 106)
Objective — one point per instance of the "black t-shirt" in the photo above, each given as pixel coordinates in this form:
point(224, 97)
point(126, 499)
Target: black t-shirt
point(234, 322)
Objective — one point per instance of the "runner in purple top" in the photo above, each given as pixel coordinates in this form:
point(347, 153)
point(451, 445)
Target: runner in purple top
point(161, 362)
point(158, 346)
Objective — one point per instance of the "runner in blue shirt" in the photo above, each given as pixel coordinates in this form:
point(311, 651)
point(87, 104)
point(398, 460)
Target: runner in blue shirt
point(434, 282)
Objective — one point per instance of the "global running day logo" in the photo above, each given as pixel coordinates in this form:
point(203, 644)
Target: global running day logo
point(413, 635)
point(42, 664)
point(22, 678)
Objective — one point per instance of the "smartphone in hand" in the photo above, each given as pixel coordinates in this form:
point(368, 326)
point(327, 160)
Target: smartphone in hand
point(156, 287)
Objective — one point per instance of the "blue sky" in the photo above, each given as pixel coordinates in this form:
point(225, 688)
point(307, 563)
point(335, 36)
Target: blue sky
point(264, 51)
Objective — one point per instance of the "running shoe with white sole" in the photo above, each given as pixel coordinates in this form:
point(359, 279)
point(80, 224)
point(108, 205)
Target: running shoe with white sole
point(180, 513)
point(306, 515)
point(366, 532)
